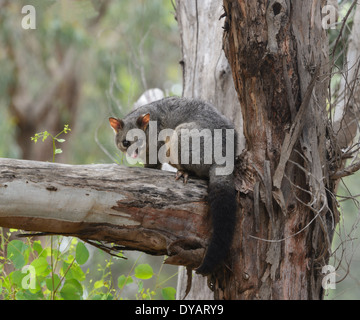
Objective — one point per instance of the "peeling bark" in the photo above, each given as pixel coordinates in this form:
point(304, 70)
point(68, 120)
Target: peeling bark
point(283, 236)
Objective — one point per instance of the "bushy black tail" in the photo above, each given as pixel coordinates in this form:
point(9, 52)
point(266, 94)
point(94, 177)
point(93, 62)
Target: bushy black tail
point(222, 201)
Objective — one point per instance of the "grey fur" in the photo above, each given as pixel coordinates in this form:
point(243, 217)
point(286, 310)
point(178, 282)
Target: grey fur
point(181, 113)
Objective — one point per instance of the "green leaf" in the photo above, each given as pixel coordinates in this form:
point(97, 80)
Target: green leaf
point(140, 286)
point(168, 293)
point(82, 253)
point(75, 272)
point(27, 295)
point(60, 140)
point(143, 271)
point(49, 282)
point(39, 249)
point(123, 281)
point(41, 266)
point(57, 151)
point(69, 259)
point(16, 253)
point(98, 284)
point(16, 277)
point(37, 246)
point(66, 128)
point(45, 135)
point(71, 290)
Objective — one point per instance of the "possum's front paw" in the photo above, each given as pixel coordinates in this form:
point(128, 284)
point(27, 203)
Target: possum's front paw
point(183, 174)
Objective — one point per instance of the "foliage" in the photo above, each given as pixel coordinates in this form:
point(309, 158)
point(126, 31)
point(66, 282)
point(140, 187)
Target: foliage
point(44, 135)
point(42, 272)
point(59, 272)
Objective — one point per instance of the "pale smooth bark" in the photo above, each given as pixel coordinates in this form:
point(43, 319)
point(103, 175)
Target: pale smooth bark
point(206, 75)
point(134, 208)
point(346, 117)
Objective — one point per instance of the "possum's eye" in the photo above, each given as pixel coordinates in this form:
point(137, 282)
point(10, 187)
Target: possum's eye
point(126, 143)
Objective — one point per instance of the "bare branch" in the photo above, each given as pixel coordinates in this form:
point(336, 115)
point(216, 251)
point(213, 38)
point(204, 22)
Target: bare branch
point(346, 172)
point(135, 208)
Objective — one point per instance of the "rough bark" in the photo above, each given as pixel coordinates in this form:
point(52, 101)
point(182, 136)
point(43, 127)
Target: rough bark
point(275, 49)
point(134, 208)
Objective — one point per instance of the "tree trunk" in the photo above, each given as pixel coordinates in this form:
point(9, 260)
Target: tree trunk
point(43, 112)
point(206, 75)
point(346, 116)
point(286, 216)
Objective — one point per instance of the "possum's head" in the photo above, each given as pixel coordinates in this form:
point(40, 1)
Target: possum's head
point(130, 135)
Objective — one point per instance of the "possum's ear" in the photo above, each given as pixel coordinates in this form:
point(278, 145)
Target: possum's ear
point(116, 124)
point(143, 121)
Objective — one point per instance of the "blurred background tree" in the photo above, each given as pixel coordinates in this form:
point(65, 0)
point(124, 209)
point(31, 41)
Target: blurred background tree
point(86, 60)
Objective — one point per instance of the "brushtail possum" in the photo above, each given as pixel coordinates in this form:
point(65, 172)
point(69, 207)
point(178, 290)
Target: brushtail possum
point(199, 141)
